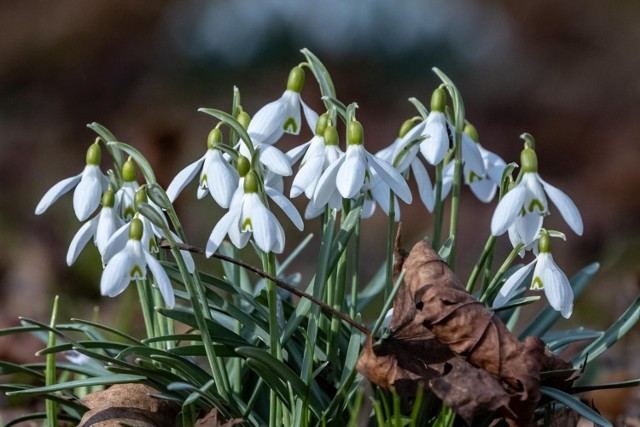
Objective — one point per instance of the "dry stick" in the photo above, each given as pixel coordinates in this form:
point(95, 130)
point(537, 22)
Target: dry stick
point(280, 283)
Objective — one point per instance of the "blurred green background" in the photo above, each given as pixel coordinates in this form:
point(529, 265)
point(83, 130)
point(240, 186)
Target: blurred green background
point(566, 72)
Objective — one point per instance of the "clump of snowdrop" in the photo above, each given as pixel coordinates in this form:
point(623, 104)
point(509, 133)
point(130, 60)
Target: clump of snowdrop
point(88, 185)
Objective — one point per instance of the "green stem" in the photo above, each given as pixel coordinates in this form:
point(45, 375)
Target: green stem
point(438, 210)
point(488, 249)
point(355, 272)
point(390, 242)
point(146, 303)
point(455, 198)
point(490, 288)
point(268, 264)
point(51, 407)
point(236, 365)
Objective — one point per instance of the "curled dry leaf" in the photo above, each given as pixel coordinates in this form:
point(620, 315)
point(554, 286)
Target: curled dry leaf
point(442, 337)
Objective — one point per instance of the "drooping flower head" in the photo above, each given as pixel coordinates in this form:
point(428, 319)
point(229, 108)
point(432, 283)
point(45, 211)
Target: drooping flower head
point(436, 142)
point(547, 276)
point(217, 176)
point(125, 196)
point(131, 263)
point(89, 186)
point(524, 206)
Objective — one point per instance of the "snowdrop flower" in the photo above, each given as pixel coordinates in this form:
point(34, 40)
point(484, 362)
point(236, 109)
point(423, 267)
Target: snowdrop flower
point(546, 276)
point(89, 186)
point(483, 176)
point(217, 176)
point(283, 114)
point(525, 204)
point(349, 173)
point(131, 263)
point(248, 216)
point(101, 228)
point(125, 196)
point(436, 142)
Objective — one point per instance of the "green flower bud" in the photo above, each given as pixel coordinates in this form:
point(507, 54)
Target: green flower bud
point(244, 118)
point(355, 133)
point(251, 182)
point(406, 127)
point(140, 197)
point(296, 80)
point(215, 137)
point(330, 136)
point(323, 121)
point(244, 165)
point(471, 132)
point(529, 160)
point(94, 154)
point(136, 229)
point(544, 244)
point(108, 198)
point(129, 170)
point(438, 100)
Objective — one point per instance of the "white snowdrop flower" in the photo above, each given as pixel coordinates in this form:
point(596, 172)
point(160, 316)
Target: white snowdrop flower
point(125, 196)
point(282, 115)
point(525, 204)
point(547, 276)
point(101, 228)
point(323, 151)
point(88, 185)
point(482, 169)
point(217, 176)
point(249, 217)
point(436, 140)
point(349, 173)
point(131, 263)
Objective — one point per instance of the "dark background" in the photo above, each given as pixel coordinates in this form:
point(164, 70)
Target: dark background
point(566, 72)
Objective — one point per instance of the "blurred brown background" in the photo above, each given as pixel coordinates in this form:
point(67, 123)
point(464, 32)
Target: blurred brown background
point(567, 72)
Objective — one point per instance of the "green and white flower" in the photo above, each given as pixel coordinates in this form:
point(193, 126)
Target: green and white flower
point(131, 263)
point(526, 204)
point(547, 276)
point(125, 196)
point(88, 185)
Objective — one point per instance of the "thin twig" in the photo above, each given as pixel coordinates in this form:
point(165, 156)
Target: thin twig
point(279, 282)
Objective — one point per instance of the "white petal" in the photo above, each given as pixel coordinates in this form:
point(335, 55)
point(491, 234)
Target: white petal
point(184, 177)
point(286, 205)
point(164, 284)
point(278, 245)
point(557, 287)
point(391, 176)
point(435, 146)
point(297, 152)
point(350, 178)
point(535, 200)
point(220, 230)
point(55, 192)
point(223, 179)
point(262, 223)
point(87, 194)
point(386, 153)
point(79, 241)
point(327, 183)
point(484, 189)
point(511, 285)
point(528, 227)
point(405, 156)
point(425, 188)
point(275, 160)
point(292, 122)
point(310, 115)
point(447, 180)
point(108, 224)
point(471, 156)
point(115, 277)
point(266, 125)
point(565, 205)
point(493, 164)
point(115, 243)
point(313, 211)
point(307, 177)
point(507, 210)
point(368, 209)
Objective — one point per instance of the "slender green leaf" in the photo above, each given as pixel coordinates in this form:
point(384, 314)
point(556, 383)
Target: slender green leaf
point(218, 334)
point(559, 339)
point(517, 303)
point(573, 403)
point(107, 329)
point(420, 107)
point(86, 382)
point(327, 89)
point(606, 386)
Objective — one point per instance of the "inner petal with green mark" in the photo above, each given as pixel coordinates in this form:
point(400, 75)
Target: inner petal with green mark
point(204, 181)
point(246, 225)
point(473, 177)
point(536, 203)
point(290, 125)
point(537, 284)
point(136, 272)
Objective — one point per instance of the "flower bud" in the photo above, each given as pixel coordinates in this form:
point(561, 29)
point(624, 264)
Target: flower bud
point(438, 100)
point(244, 165)
point(330, 136)
point(406, 127)
point(108, 198)
point(251, 182)
point(529, 160)
point(244, 118)
point(129, 170)
point(471, 132)
point(544, 244)
point(94, 154)
point(140, 197)
point(322, 123)
point(136, 229)
point(215, 137)
point(355, 133)
point(296, 80)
